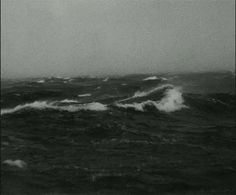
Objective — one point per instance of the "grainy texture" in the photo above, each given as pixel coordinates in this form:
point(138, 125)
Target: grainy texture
point(119, 150)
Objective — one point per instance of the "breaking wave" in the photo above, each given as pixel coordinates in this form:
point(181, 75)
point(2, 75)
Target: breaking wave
point(41, 105)
point(106, 79)
point(147, 92)
point(68, 101)
point(41, 81)
point(15, 163)
point(150, 78)
point(84, 95)
point(172, 101)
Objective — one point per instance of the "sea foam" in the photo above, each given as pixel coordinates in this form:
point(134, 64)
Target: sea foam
point(41, 81)
point(148, 92)
point(138, 94)
point(15, 163)
point(172, 101)
point(150, 78)
point(55, 105)
point(68, 101)
point(36, 105)
point(84, 95)
point(106, 79)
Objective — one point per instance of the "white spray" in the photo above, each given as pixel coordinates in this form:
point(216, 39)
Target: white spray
point(172, 101)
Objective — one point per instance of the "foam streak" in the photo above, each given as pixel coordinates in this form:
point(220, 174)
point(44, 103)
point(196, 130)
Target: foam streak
point(41, 105)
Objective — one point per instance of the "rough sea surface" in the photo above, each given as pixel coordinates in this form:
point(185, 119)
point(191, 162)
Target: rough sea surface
point(136, 134)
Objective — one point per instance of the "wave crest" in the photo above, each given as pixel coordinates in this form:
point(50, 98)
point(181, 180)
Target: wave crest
point(41, 105)
point(172, 101)
point(148, 92)
point(138, 94)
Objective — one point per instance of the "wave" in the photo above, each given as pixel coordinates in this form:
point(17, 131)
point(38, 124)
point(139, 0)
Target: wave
point(41, 81)
point(146, 93)
point(164, 79)
point(172, 101)
point(151, 78)
point(68, 101)
point(138, 94)
point(15, 163)
point(55, 105)
point(84, 95)
point(106, 79)
point(36, 105)
point(97, 88)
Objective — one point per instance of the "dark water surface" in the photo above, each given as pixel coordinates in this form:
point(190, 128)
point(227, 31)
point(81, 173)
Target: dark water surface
point(174, 134)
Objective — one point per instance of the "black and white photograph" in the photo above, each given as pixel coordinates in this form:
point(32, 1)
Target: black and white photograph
point(118, 97)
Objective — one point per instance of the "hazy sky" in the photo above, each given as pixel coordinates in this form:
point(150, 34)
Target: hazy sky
point(74, 37)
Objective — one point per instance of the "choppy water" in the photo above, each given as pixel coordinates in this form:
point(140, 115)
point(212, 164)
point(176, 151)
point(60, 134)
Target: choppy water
point(138, 134)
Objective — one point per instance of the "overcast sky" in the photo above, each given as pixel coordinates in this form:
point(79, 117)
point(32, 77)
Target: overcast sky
point(78, 37)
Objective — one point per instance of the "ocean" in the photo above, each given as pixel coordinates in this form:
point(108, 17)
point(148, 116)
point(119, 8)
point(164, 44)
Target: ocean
point(134, 134)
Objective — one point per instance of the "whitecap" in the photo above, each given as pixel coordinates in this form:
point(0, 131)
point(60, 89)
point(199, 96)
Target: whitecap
point(41, 81)
point(37, 105)
point(150, 78)
point(135, 106)
point(98, 88)
point(59, 77)
point(164, 79)
point(172, 101)
point(93, 106)
point(84, 95)
point(106, 79)
point(138, 94)
point(55, 105)
point(68, 101)
point(96, 106)
point(15, 163)
point(148, 92)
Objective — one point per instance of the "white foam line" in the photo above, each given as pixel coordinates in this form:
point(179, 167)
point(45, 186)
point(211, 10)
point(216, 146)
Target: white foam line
point(41, 105)
point(84, 95)
point(146, 93)
point(15, 163)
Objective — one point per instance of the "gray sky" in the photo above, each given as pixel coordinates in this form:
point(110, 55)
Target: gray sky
point(78, 37)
